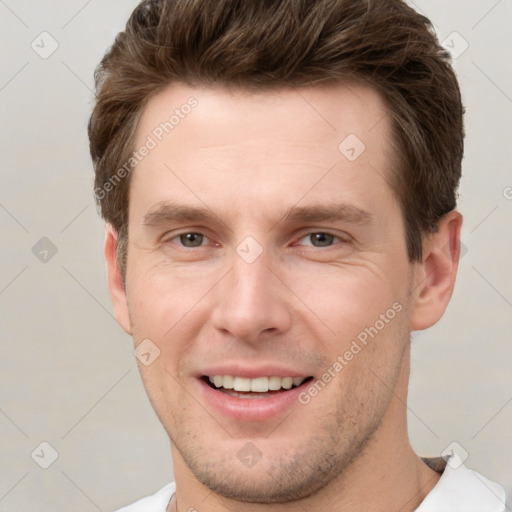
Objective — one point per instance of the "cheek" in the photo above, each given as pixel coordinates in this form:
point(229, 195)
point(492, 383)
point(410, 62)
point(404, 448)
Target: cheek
point(347, 299)
point(162, 299)
point(167, 313)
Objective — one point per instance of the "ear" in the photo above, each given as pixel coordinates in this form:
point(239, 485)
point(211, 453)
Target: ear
point(434, 277)
point(115, 280)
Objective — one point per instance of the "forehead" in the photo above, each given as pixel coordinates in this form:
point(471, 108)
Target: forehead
point(250, 142)
point(341, 108)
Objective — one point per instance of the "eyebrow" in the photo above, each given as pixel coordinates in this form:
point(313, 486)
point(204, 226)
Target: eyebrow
point(328, 212)
point(175, 212)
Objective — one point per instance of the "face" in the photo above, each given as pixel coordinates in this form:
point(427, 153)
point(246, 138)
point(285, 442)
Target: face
point(267, 251)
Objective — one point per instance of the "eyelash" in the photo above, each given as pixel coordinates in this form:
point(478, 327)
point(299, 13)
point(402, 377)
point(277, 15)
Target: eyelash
point(308, 234)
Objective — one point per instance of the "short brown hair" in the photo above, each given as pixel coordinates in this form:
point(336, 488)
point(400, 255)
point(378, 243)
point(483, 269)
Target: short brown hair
point(276, 43)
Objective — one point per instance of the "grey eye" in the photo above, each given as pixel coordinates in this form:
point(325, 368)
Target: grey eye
point(191, 239)
point(321, 239)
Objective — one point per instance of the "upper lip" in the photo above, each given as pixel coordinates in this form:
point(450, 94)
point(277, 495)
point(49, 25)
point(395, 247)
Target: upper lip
point(252, 372)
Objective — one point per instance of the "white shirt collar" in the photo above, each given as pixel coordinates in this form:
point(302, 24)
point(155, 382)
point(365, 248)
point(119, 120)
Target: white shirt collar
point(461, 489)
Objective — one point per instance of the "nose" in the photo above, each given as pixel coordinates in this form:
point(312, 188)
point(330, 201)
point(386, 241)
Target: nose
point(252, 301)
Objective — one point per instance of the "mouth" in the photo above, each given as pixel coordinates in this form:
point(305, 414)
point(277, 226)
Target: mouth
point(259, 387)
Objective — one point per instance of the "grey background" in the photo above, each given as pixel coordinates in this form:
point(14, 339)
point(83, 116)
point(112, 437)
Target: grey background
point(68, 375)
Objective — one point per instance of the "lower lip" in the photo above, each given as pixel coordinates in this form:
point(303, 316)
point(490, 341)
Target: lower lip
point(251, 409)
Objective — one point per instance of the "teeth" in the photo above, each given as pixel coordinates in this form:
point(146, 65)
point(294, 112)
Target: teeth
point(260, 384)
point(241, 384)
point(257, 385)
point(227, 382)
point(274, 383)
point(287, 383)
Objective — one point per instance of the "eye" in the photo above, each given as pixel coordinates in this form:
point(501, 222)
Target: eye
point(320, 239)
point(190, 239)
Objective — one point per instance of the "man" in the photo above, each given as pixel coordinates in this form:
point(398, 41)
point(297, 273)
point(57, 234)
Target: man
point(278, 180)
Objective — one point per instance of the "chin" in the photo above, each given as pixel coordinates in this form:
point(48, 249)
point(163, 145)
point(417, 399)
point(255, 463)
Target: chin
point(264, 486)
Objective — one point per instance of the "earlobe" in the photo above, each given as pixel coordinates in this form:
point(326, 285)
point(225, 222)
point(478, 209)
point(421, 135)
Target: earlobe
point(116, 284)
point(435, 275)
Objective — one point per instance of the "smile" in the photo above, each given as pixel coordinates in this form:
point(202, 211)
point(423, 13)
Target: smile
point(259, 387)
point(251, 398)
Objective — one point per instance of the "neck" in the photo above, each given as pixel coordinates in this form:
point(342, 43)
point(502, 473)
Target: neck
point(386, 476)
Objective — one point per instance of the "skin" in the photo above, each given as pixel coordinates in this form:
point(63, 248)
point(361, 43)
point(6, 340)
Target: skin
point(249, 158)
